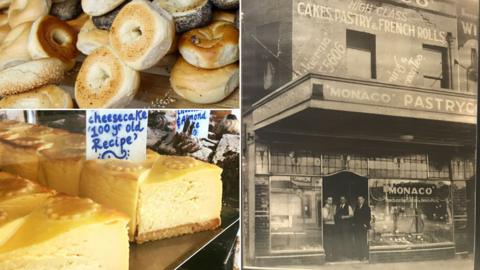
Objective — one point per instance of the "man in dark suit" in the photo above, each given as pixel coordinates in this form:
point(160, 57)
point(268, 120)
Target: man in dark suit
point(343, 227)
point(362, 217)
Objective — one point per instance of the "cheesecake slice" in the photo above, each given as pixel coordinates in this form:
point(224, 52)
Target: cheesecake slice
point(61, 163)
point(68, 233)
point(180, 195)
point(18, 198)
point(115, 183)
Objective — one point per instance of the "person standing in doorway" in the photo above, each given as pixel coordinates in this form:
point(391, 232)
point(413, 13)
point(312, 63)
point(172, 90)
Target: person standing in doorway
point(329, 234)
point(343, 224)
point(362, 218)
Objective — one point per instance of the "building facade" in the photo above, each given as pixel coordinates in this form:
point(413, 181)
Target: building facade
point(359, 97)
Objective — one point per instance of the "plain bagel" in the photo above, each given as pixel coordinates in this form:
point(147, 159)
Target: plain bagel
point(104, 81)
point(188, 14)
point(51, 37)
point(213, 46)
point(21, 11)
point(46, 97)
point(33, 74)
point(223, 16)
point(141, 34)
point(91, 38)
point(5, 4)
point(14, 50)
point(203, 86)
point(97, 8)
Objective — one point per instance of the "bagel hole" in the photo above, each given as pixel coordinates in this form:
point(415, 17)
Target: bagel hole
point(131, 32)
point(98, 77)
point(60, 38)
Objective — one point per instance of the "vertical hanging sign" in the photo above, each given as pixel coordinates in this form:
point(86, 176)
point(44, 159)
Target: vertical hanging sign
point(117, 134)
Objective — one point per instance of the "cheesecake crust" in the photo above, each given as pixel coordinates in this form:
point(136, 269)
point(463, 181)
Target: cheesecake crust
point(179, 230)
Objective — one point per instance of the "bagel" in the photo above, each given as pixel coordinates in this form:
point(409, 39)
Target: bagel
point(97, 8)
point(21, 11)
point(213, 46)
point(66, 10)
point(188, 14)
point(13, 49)
point(4, 27)
point(226, 4)
point(141, 34)
point(47, 97)
point(203, 86)
point(51, 37)
point(104, 81)
point(91, 38)
point(223, 16)
point(105, 21)
point(30, 75)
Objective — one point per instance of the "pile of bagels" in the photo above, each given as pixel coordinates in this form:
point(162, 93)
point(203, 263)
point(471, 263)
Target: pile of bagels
point(40, 41)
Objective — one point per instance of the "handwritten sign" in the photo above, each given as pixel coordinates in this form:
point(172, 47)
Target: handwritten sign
point(117, 134)
point(200, 119)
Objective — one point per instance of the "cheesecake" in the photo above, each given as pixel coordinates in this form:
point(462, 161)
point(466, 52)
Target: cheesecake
point(18, 198)
point(60, 164)
point(68, 233)
point(180, 195)
point(115, 183)
point(165, 196)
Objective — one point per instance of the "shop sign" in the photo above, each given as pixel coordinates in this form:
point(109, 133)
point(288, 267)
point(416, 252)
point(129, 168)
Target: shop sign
point(403, 99)
point(409, 190)
point(116, 134)
point(467, 22)
point(199, 119)
point(372, 16)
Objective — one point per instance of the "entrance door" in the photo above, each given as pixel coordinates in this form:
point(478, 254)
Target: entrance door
point(341, 241)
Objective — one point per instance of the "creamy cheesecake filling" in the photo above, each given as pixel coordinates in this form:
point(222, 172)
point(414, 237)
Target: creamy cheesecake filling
point(191, 198)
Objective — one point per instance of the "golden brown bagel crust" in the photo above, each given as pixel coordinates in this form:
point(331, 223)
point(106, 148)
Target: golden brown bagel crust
point(223, 16)
point(51, 37)
point(33, 74)
point(203, 86)
point(213, 46)
point(47, 97)
point(105, 81)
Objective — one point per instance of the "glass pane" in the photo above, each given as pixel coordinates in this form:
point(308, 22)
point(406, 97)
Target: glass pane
point(295, 223)
point(432, 65)
point(410, 212)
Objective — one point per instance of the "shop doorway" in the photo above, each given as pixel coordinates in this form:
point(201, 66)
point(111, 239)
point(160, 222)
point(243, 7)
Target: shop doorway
point(339, 242)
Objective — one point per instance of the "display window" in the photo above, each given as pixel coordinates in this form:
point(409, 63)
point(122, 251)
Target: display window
point(295, 214)
point(410, 212)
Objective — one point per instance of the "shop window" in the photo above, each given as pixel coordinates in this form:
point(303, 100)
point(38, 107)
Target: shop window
point(403, 167)
point(295, 223)
point(295, 162)
point(438, 169)
point(462, 169)
point(361, 54)
point(410, 212)
point(435, 67)
point(357, 164)
point(333, 163)
point(261, 159)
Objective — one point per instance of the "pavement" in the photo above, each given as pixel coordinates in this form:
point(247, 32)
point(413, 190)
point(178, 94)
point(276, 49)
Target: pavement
point(452, 264)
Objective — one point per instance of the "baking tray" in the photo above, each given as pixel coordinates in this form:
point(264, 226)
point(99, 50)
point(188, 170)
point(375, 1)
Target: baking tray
point(154, 87)
point(170, 253)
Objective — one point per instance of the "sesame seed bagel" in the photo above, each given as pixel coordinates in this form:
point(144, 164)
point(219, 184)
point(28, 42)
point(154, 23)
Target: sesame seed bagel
point(226, 4)
point(213, 46)
point(141, 34)
point(30, 75)
point(47, 97)
point(104, 81)
point(203, 86)
point(188, 14)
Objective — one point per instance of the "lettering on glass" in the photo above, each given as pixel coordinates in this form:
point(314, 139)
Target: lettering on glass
point(117, 134)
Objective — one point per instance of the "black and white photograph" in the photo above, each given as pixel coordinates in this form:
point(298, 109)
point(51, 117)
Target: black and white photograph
point(359, 128)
